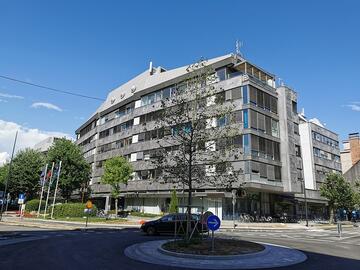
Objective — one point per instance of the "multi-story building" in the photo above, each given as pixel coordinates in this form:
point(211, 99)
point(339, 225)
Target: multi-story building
point(268, 147)
point(44, 145)
point(320, 154)
point(350, 155)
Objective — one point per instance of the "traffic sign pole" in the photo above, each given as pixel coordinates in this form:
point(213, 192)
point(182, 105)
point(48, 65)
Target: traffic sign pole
point(213, 223)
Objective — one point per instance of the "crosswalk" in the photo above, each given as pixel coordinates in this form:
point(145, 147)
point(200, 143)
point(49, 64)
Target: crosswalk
point(347, 237)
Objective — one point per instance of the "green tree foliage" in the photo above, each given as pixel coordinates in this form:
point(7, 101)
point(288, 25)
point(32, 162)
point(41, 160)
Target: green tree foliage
point(75, 171)
point(356, 195)
point(117, 171)
point(338, 192)
point(174, 203)
point(25, 173)
point(4, 169)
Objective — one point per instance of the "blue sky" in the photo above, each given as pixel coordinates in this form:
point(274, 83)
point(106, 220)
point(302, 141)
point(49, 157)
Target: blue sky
point(90, 47)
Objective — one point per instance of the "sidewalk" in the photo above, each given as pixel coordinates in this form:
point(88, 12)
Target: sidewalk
point(226, 225)
point(63, 225)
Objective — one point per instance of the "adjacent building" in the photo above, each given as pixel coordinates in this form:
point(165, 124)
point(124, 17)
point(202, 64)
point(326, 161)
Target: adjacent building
point(269, 147)
point(350, 154)
point(320, 154)
point(44, 145)
point(350, 158)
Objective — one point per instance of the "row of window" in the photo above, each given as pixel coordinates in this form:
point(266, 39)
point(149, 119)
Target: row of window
point(261, 147)
point(267, 171)
point(262, 123)
point(326, 140)
point(261, 99)
point(326, 155)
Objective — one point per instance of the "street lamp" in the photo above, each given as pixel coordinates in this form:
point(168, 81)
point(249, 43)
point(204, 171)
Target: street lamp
point(305, 200)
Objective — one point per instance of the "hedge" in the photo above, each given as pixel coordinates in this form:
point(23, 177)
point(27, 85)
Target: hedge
point(72, 210)
point(33, 205)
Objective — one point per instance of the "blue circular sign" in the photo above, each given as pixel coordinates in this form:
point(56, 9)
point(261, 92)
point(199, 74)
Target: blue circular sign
point(213, 222)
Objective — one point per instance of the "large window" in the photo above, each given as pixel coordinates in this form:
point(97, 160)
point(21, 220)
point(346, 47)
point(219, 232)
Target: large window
point(261, 147)
point(263, 123)
point(261, 99)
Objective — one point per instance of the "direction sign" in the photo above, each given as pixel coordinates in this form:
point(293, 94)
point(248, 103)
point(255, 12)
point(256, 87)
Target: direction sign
point(213, 223)
point(21, 198)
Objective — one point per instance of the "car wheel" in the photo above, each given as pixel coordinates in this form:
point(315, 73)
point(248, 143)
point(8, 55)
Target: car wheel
point(151, 231)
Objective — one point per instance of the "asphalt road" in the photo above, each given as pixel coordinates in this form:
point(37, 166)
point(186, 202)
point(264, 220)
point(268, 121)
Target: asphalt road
point(103, 248)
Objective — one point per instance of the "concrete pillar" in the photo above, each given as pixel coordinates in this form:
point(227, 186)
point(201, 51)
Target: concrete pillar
point(107, 203)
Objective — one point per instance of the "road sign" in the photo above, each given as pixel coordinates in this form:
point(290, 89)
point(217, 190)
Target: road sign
point(21, 198)
point(213, 223)
point(89, 205)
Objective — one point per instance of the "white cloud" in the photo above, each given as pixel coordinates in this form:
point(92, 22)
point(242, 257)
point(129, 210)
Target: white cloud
point(3, 100)
point(4, 156)
point(27, 137)
point(354, 106)
point(46, 105)
point(5, 95)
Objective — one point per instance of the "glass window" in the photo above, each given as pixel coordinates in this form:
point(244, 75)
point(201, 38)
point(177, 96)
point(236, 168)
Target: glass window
point(277, 173)
point(260, 99)
point(252, 94)
point(267, 101)
point(166, 93)
point(246, 120)
point(253, 119)
point(246, 144)
point(268, 124)
point(245, 94)
point(261, 122)
point(221, 74)
point(274, 128)
point(273, 105)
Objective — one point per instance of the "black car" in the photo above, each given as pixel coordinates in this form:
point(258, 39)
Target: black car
point(167, 224)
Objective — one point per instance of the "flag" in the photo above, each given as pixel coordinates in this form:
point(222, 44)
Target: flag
point(42, 176)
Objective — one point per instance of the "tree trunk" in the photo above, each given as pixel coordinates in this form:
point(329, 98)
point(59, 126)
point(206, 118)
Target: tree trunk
point(116, 207)
point(188, 219)
point(331, 210)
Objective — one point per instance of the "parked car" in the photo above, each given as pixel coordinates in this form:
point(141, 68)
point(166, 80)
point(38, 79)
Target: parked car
point(167, 224)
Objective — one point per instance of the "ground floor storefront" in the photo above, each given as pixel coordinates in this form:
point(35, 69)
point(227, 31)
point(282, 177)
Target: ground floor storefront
point(255, 206)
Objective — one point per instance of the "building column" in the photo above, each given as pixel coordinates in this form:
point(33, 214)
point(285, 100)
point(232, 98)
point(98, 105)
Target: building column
point(107, 203)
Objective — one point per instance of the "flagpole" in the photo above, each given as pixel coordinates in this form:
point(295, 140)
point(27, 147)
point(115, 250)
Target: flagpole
point(56, 187)
point(8, 176)
point(42, 190)
point(49, 186)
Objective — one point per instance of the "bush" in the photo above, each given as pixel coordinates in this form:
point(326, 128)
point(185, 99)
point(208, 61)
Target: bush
point(72, 210)
point(33, 205)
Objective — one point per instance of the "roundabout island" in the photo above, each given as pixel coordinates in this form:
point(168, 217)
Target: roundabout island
point(228, 254)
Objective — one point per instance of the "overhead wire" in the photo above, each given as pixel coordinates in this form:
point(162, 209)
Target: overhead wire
point(51, 88)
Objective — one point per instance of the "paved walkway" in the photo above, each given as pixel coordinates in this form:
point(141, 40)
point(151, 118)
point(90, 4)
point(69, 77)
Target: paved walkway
point(272, 256)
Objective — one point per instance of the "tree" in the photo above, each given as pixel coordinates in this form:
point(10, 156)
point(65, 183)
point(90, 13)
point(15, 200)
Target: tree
point(4, 170)
point(117, 171)
point(75, 171)
point(25, 173)
point(338, 192)
point(201, 135)
point(356, 195)
point(174, 203)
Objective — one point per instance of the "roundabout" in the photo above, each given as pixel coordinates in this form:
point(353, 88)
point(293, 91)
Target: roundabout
point(270, 256)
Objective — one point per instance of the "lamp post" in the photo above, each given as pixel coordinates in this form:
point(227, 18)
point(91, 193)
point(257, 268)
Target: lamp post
point(8, 177)
point(305, 201)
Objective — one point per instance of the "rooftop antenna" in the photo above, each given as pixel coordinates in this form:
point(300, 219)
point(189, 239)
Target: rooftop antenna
point(238, 45)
